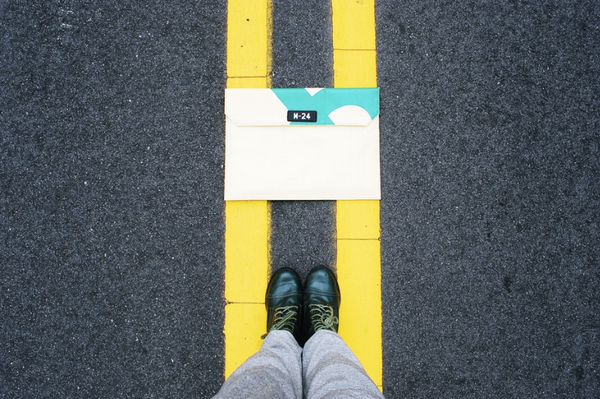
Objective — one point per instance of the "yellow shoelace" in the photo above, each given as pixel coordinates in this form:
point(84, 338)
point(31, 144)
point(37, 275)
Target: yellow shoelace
point(322, 318)
point(285, 319)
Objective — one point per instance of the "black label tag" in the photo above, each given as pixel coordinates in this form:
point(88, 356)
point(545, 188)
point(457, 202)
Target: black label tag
point(302, 116)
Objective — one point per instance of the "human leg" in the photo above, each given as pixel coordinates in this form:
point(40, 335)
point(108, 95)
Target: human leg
point(273, 372)
point(330, 369)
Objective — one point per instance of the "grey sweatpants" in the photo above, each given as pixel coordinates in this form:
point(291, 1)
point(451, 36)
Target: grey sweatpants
point(326, 368)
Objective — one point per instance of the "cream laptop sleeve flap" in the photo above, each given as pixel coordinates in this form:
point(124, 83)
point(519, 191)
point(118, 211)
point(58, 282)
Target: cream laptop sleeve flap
point(302, 144)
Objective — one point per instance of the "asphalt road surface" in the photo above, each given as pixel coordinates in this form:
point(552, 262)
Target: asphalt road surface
point(111, 195)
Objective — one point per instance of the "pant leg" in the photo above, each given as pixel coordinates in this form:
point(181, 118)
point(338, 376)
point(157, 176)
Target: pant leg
point(275, 371)
point(331, 370)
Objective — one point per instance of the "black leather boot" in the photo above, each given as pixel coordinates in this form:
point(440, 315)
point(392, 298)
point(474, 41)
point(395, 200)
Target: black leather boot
point(284, 303)
point(321, 302)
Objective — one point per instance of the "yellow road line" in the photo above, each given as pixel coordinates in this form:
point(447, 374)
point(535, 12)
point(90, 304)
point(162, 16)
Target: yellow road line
point(248, 38)
point(358, 227)
point(247, 223)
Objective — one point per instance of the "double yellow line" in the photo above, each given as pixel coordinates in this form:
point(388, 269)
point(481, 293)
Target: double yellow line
point(247, 223)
